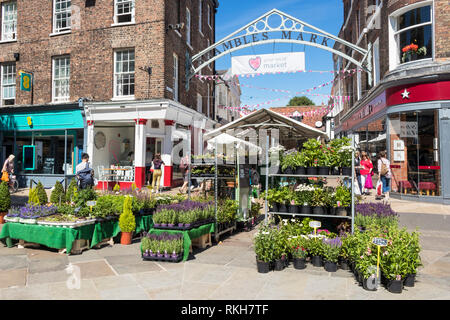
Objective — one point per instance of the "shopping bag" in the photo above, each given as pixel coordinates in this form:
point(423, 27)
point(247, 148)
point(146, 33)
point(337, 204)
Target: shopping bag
point(379, 188)
point(368, 184)
point(5, 176)
point(357, 191)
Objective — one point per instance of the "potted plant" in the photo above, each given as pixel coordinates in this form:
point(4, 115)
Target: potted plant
point(342, 200)
point(318, 201)
point(344, 256)
point(345, 159)
point(272, 199)
point(315, 249)
point(311, 151)
point(58, 195)
point(413, 260)
point(283, 200)
point(331, 250)
point(5, 200)
point(288, 162)
point(300, 163)
point(412, 51)
point(172, 219)
point(304, 197)
point(127, 222)
point(42, 195)
point(293, 205)
point(299, 253)
point(323, 161)
point(263, 243)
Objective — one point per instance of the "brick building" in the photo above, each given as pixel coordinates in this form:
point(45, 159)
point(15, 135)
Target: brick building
point(402, 106)
point(108, 79)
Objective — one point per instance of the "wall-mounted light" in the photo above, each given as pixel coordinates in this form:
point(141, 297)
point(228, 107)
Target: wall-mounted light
point(17, 56)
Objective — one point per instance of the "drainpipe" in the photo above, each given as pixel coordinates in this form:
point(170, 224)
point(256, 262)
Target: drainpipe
point(85, 130)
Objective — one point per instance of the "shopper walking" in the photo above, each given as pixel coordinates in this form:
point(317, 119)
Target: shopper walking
point(384, 171)
point(184, 167)
point(366, 171)
point(8, 168)
point(85, 173)
point(157, 173)
point(358, 168)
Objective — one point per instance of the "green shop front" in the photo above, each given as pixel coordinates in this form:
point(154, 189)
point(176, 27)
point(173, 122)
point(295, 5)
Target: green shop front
point(47, 142)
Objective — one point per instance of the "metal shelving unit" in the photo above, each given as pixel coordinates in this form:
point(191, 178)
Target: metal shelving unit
point(352, 177)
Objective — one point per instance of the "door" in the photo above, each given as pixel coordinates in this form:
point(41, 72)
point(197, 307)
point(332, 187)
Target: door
point(445, 156)
point(158, 145)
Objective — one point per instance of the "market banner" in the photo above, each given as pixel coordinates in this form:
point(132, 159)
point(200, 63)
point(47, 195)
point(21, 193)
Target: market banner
point(268, 63)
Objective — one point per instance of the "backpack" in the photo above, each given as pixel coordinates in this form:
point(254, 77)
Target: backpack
point(384, 169)
point(85, 176)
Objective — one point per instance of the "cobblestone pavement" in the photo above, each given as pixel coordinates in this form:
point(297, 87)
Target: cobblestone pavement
point(226, 270)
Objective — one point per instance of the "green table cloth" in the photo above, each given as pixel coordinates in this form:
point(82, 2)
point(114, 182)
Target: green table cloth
point(60, 238)
point(188, 235)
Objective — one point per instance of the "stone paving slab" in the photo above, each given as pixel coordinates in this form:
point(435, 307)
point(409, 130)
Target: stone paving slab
point(9, 262)
point(47, 277)
point(11, 278)
point(86, 291)
point(94, 269)
point(133, 263)
point(56, 263)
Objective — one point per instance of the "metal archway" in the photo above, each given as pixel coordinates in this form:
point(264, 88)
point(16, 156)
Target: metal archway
point(259, 32)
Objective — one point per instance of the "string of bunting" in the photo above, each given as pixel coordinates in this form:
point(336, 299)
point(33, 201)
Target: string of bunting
point(320, 111)
point(217, 77)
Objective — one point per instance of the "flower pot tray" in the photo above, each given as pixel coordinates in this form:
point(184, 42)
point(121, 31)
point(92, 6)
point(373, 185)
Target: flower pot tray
point(75, 224)
point(176, 227)
point(13, 219)
point(162, 259)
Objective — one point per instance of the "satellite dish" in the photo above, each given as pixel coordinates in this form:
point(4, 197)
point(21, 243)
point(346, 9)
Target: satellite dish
point(319, 124)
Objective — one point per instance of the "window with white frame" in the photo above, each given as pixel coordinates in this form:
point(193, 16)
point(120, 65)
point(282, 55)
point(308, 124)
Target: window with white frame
point(62, 11)
point(8, 78)
point(359, 87)
point(200, 8)
point(123, 11)
point(175, 77)
point(413, 33)
point(61, 79)
point(199, 103)
point(376, 62)
point(188, 26)
point(124, 73)
point(208, 8)
point(9, 21)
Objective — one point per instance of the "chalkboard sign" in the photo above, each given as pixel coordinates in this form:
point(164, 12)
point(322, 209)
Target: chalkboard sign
point(49, 165)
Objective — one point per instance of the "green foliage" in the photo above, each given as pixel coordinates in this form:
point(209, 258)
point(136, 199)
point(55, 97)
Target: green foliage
point(226, 211)
point(71, 190)
point(81, 197)
point(290, 160)
point(33, 196)
point(318, 198)
point(343, 197)
point(42, 195)
point(58, 195)
point(264, 242)
point(116, 188)
point(300, 101)
point(5, 197)
point(312, 152)
point(127, 221)
point(315, 246)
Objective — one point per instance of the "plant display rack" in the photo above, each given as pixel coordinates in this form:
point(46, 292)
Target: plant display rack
point(216, 179)
point(352, 179)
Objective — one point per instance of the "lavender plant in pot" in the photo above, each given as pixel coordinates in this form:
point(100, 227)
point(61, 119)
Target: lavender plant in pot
point(331, 250)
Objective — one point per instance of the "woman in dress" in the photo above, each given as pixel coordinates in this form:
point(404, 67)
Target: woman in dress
point(366, 171)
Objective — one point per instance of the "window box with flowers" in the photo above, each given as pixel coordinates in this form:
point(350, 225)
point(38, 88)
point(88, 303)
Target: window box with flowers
point(412, 52)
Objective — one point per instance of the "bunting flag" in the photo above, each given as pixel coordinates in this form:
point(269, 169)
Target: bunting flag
point(217, 77)
point(320, 111)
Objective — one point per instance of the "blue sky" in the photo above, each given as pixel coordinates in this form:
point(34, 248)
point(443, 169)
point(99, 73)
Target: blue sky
point(323, 14)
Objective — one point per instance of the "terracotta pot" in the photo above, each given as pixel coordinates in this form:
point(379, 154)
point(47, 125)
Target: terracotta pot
point(125, 238)
point(2, 215)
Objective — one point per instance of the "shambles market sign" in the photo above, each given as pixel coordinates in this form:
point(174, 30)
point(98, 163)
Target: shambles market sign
point(268, 63)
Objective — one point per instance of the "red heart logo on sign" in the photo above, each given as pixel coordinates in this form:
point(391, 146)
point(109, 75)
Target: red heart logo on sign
point(255, 63)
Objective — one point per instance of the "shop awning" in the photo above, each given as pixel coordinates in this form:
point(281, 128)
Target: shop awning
point(225, 139)
point(267, 119)
point(381, 137)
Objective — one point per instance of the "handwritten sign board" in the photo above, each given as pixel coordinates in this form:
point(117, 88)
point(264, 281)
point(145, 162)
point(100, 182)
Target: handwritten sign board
point(380, 242)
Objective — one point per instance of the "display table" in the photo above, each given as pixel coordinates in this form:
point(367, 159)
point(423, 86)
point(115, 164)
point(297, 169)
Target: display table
point(188, 235)
point(63, 238)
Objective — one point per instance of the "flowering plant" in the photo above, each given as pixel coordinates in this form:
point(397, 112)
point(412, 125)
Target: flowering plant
point(264, 243)
point(31, 211)
point(162, 243)
point(412, 48)
point(331, 249)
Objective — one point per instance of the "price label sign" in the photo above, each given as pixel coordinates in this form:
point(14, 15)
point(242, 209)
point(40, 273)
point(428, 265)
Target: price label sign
point(315, 224)
point(90, 204)
point(380, 242)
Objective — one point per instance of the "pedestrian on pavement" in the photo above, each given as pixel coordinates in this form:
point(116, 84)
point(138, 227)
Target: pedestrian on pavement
point(366, 171)
point(84, 172)
point(8, 168)
point(384, 171)
point(184, 167)
point(148, 165)
point(157, 173)
point(358, 168)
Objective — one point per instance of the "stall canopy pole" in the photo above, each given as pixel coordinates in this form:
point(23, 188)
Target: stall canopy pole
point(188, 152)
point(353, 183)
point(65, 156)
point(267, 176)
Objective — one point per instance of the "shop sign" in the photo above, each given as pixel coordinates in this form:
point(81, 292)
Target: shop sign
point(26, 81)
point(372, 108)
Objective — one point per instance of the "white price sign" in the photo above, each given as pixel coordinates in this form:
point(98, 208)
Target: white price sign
point(380, 242)
point(91, 203)
point(315, 224)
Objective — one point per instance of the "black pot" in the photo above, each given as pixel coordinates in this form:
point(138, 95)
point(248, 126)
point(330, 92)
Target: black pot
point(300, 170)
point(330, 266)
point(286, 261)
point(318, 210)
point(395, 286)
point(335, 171)
point(305, 210)
point(274, 207)
point(343, 264)
point(279, 265)
point(288, 170)
point(332, 211)
point(263, 267)
point(317, 261)
point(409, 280)
point(282, 208)
point(311, 171)
point(324, 171)
point(346, 171)
point(370, 284)
point(384, 280)
point(341, 211)
point(293, 208)
point(299, 263)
